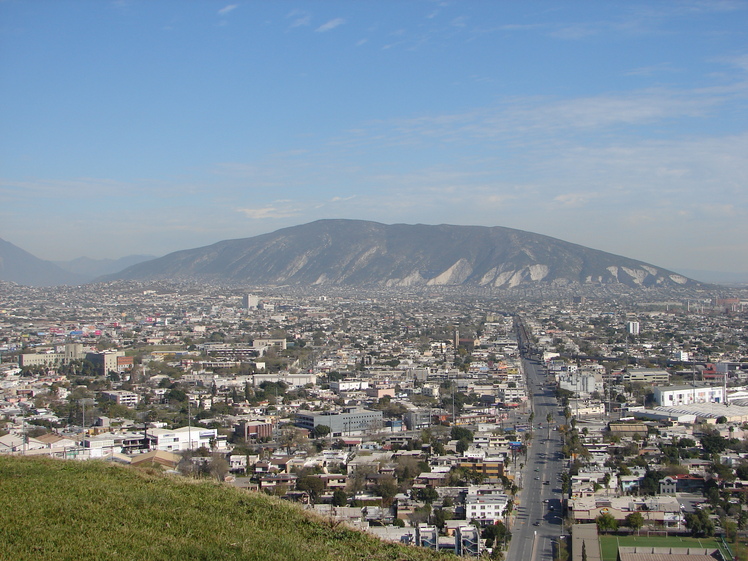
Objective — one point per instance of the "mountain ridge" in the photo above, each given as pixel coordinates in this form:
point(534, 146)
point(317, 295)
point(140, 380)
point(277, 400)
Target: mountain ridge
point(19, 266)
point(370, 254)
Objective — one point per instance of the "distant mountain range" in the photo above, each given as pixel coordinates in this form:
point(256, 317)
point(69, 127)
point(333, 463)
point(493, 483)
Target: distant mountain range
point(20, 266)
point(370, 254)
point(94, 268)
point(361, 253)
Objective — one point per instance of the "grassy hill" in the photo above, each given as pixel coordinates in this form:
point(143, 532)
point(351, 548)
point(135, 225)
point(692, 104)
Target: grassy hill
point(53, 509)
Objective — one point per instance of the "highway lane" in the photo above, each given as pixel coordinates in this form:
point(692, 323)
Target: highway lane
point(538, 522)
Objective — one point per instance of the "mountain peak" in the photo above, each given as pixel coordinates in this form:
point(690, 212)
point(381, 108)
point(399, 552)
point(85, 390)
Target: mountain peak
point(370, 254)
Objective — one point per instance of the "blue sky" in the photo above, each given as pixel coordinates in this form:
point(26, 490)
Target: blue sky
point(152, 126)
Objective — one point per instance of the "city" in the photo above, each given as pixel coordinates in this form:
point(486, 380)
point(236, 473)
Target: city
point(467, 423)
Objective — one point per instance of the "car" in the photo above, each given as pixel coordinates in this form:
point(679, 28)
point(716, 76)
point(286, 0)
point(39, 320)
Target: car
point(537, 479)
point(536, 469)
point(536, 523)
point(546, 482)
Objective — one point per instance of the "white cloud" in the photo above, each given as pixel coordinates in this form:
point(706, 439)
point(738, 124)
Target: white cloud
point(573, 199)
point(227, 9)
point(268, 212)
point(330, 25)
point(300, 18)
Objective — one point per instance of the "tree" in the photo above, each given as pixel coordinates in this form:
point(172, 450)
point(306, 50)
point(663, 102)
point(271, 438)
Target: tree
point(635, 521)
point(713, 443)
point(312, 484)
point(427, 495)
point(606, 523)
point(459, 433)
point(339, 498)
point(218, 467)
point(699, 524)
point(441, 516)
point(462, 445)
point(387, 489)
point(496, 534)
point(321, 431)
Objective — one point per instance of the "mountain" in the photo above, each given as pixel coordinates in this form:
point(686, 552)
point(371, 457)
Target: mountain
point(92, 268)
point(362, 253)
point(19, 266)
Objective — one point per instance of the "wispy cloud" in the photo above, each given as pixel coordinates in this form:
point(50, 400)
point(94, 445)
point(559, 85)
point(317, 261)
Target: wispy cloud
point(80, 188)
point(574, 199)
point(227, 9)
point(268, 212)
point(299, 18)
point(330, 25)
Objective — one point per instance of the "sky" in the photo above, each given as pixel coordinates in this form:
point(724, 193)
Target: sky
point(150, 126)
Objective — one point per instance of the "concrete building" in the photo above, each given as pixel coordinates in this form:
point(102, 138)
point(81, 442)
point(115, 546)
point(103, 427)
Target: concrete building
point(685, 395)
point(485, 506)
point(646, 376)
point(582, 384)
point(250, 301)
point(109, 361)
point(57, 356)
point(348, 385)
point(291, 380)
point(121, 397)
point(254, 430)
point(187, 438)
point(350, 422)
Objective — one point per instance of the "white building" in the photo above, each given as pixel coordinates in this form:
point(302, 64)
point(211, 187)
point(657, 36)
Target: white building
point(486, 506)
point(121, 397)
point(686, 395)
point(349, 385)
point(187, 438)
point(582, 384)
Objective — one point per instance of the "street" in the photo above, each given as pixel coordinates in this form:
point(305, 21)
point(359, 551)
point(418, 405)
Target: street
point(538, 521)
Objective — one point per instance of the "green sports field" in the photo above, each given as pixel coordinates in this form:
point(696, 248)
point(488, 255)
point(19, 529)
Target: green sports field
point(609, 544)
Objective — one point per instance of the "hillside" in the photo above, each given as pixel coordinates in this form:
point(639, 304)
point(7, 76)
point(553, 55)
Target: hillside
point(53, 510)
point(370, 254)
point(19, 266)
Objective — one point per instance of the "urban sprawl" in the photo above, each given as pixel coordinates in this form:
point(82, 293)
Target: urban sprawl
point(477, 423)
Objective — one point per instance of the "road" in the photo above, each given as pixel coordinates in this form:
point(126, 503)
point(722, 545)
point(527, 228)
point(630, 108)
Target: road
point(538, 521)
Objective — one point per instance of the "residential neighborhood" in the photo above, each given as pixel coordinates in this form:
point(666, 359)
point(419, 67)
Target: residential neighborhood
point(439, 421)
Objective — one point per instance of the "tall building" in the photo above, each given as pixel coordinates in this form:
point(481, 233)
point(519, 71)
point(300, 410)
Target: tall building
point(250, 301)
point(633, 327)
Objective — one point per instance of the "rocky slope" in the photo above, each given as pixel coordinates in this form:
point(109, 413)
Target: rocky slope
point(362, 253)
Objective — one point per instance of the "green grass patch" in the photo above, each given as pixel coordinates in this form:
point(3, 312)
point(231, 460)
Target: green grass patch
point(609, 544)
point(54, 510)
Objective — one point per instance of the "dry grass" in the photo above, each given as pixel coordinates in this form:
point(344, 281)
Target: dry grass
point(72, 510)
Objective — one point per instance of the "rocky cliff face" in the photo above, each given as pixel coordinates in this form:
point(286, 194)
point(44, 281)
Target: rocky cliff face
point(361, 253)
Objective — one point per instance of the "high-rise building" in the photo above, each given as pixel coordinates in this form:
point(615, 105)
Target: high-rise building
point(633, 327)
point(250, 301)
